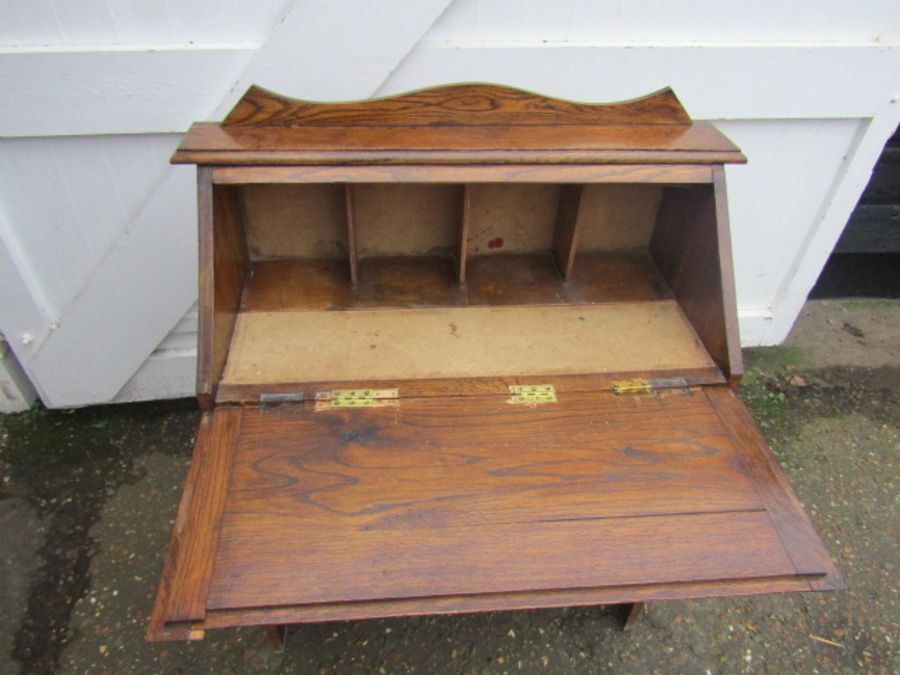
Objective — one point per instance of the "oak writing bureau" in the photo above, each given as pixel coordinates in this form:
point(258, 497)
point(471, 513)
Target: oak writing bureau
point(468, 349)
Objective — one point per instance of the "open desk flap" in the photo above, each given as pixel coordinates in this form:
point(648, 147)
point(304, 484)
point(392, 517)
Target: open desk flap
point(325, 510)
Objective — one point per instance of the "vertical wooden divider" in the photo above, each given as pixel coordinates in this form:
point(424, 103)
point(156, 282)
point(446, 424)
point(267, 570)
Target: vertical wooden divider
point(565, 234)
point(462, 242)
point(351, 232)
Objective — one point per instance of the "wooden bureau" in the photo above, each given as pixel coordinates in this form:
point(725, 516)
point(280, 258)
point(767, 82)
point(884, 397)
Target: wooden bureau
point(469, 349)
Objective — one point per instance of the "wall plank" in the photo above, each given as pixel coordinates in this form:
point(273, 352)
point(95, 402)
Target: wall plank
point(731, 81)
point(116, 22)
point(115, 90)
point(653, 22)
point(146, 280)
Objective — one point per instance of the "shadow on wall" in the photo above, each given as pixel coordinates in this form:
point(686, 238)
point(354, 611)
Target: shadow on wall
point(866, 259)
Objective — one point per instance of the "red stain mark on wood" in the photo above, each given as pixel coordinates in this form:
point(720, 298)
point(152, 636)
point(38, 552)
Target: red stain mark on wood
point(496, 243)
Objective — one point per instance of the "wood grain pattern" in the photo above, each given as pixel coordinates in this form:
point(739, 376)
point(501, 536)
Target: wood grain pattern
point(160, 628)
point(492, 602)
point(352, 248)
point(223, 269)
point(794, 527)
point(454, 105)
point(699, 143)
point(686, 245)
point(195, 533)
point(417, 501)
point(729, 293)
point(565, 234)
point(462, 246)
point(609, 260)
point(521, 173)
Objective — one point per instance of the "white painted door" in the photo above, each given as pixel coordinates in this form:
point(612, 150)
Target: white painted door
point(97, 231)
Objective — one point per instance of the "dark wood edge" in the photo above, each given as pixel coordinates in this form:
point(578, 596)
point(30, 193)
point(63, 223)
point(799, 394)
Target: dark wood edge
point(455, 157)
point(462, 241)
point(460, 104)
point(350, 216)
point(188, 571)
point(498, 602)
point(206, 283)
point(798, 536)
point(566, 229)
point(630, 613)
point(159, 630)
point(726, 267)
point(482, 386)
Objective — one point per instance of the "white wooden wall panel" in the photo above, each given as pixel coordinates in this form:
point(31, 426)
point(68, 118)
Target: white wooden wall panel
point(654, 22)
point(70, 199)
point(712, 81)
point(30, 23)
point(98, 266)
point(170, 371)
point(138, 90)
point(145, 280)
point(775, 199)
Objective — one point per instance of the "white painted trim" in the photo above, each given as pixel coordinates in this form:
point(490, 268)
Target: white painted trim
point(825, 232)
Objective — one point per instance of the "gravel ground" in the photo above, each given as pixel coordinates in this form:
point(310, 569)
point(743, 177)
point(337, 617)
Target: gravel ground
point(87, 501)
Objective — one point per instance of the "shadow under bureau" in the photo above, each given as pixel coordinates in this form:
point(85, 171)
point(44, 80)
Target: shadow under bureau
point(469, 349)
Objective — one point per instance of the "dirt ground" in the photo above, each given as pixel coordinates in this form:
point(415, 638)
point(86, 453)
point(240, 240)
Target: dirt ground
point(88, 497)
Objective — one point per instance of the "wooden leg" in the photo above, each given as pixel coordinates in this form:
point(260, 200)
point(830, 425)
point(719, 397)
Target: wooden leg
point(630, 613)
point(277, 636)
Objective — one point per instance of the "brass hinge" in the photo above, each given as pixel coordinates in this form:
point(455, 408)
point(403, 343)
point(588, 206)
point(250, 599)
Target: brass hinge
point(532, 394)
point(356, 398)
point(641, 386)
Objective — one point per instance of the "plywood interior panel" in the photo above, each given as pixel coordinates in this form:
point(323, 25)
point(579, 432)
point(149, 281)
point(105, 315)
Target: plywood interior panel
point(295, 221)
point(617, 217)
point(411, 219)
point(510, 218)
point(461, 342)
